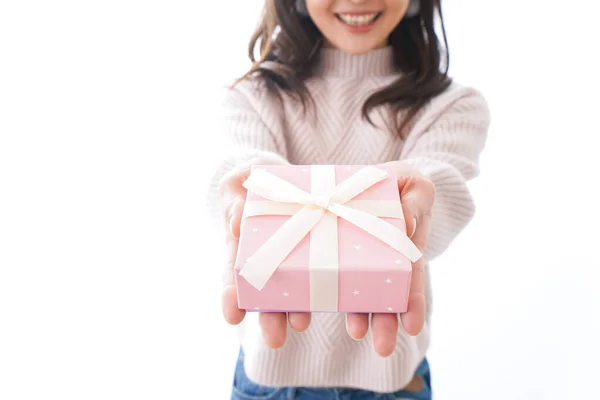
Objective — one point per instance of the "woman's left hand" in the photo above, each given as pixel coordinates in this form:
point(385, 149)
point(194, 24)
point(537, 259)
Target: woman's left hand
point(417, 194)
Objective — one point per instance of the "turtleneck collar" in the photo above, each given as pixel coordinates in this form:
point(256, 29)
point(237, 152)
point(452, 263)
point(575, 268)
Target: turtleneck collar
point(335, 62)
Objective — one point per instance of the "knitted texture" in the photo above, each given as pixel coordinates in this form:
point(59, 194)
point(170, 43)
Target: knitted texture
point(444, 143)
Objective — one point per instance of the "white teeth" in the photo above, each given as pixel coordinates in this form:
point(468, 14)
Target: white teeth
point(358, 20)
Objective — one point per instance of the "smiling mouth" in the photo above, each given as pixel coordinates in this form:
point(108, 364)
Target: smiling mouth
point(358, 19)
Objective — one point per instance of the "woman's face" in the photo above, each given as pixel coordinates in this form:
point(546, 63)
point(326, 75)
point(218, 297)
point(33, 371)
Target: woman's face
point(356, 26)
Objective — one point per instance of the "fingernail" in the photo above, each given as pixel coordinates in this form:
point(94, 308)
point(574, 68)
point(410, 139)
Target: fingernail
point(349, 334)
point(414, 229)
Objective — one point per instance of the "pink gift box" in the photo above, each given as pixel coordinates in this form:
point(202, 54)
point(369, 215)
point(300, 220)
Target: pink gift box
point(372, 277)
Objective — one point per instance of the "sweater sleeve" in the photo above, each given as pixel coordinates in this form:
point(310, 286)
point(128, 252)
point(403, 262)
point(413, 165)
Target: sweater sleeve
point(445, 146)
point(252, 127)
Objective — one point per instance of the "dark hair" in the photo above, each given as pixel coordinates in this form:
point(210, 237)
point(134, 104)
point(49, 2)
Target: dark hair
point(418, 54)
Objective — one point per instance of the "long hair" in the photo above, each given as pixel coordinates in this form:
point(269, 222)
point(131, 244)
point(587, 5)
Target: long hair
point(285, 46)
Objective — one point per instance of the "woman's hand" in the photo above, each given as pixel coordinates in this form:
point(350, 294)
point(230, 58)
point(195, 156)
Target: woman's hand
point(417, 195)
point(273, 324)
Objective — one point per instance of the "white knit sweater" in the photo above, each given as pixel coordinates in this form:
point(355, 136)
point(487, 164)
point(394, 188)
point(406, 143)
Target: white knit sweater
point(444, 143)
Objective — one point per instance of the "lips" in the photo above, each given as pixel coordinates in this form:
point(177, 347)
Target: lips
point(358, 20)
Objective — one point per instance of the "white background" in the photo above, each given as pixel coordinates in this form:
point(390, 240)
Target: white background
point(110, 273)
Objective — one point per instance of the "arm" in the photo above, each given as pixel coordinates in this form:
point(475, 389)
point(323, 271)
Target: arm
point(251, 125)
point(445, 146)
point(252, 128)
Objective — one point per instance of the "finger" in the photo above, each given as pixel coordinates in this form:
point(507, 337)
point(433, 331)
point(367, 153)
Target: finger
point(417, 195)
point(235, 216)
point(357, 325)
point(234, 194)
point(299, 321)
point(385, 331)
point(414, 318)
point(231, 184)
point(274, 327)
point(233, 315)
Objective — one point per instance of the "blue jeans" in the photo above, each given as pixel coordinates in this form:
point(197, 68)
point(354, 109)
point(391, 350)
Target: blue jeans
point(244, 389)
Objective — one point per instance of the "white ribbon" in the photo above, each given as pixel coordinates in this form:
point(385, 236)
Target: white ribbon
point(317, 213)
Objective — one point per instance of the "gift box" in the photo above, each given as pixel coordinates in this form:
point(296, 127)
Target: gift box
point(323, 238)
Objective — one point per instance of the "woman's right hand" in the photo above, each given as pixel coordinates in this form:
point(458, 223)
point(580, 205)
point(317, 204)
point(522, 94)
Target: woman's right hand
point(273, 324)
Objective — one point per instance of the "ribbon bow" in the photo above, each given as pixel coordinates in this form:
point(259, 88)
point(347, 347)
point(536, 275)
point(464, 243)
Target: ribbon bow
point(317, 212)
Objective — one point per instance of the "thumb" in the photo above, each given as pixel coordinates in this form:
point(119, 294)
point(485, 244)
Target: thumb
point(234, 194)
point(416, 195)
point(235, 216)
